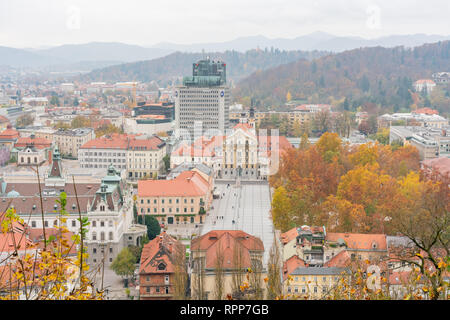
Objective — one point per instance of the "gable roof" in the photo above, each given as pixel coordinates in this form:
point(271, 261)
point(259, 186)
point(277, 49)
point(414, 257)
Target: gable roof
point(159, 250)
point(360, 241)
point(226, 243)
point(186, 184)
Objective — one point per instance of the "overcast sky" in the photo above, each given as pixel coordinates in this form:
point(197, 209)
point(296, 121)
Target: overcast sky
point(32, 23)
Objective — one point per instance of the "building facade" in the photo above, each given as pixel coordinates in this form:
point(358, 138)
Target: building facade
point(157, 268)
point(182, 200)
point(69, 141)
point(204, 98)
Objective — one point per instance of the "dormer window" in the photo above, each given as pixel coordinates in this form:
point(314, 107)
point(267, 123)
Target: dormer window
point(161, 266)
point(102, 208)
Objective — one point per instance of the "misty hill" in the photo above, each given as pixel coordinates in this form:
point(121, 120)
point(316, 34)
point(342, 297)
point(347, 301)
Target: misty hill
point(172, 67)
point(379, 75)
point(315, 41)
point(103, 51)
point(22, 58)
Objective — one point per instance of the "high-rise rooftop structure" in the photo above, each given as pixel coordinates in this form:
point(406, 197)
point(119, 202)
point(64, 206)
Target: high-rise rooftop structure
point(203, 98)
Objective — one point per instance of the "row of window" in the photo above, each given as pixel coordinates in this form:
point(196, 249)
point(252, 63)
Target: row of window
point(163, 210)
point(315, 289)
point(155, 201)
point(102, 236)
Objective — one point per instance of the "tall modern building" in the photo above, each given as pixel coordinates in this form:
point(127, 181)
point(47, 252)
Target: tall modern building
point(204, 97)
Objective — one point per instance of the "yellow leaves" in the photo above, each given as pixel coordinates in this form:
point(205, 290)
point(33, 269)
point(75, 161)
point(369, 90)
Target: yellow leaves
point(418, 277)
point(352, 291)
point(424, 289)
point(419, 255)
point(441, 264)
point(266, 279)
point(367, 261)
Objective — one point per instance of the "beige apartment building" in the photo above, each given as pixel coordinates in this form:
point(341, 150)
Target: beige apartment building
point(145, 157)
point(69, 141)
point(182, 200)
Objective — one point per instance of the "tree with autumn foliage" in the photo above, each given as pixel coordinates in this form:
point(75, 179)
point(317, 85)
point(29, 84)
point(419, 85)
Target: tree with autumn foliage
point(48, 273)
point(424, 218)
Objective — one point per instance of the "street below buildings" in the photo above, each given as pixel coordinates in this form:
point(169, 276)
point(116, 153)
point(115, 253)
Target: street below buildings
point(243, 207)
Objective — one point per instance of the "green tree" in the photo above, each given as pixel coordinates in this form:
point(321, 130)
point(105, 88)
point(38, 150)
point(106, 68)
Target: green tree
point(166, 160)
point(54, 101)
point(123, 264)
point(153, 227)
point(24, 120)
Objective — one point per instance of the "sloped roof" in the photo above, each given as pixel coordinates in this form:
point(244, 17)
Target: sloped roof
point(159, 250)
point(227, 243)
point(187, 184)
point(359, 241)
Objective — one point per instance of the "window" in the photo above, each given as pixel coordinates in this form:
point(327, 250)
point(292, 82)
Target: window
point(55, 223)
point(147, 289)
point(289, 289)
point(110, 223)
point(110, 235)
point(74, 223)
point(110, 250)
point(167, 290)
point(147, 278)
point(161, 266)
point(303, 289)
point(324, 279)
point(94, 223)
point(102, 236)
point(46, 223)
point(315, 289)
point(166, 279)
point(324, 289)
point(33, 224)
point(296, 289)
point(94, 251)
point(94, 235)
point(157, 289)
point(102, 223)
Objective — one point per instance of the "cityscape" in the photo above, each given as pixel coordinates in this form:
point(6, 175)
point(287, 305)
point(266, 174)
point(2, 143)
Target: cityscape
point(316, 168)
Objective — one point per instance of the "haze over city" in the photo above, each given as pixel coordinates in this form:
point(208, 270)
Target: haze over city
point(37, 24)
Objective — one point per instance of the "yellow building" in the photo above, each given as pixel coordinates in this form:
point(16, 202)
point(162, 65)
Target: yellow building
point(314, 282)
point(182, 200)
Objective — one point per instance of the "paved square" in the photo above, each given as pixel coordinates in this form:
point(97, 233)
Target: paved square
point(248, 206)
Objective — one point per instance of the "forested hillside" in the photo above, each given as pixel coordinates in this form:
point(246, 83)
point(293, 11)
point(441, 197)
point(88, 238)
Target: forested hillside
point(172, 67)
point(382, 76)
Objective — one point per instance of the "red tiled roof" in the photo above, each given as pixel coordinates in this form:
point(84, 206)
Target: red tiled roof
point(187, 184)
point(341, 260)
point(291, 264)
point(426, 111)
point(227, 242)
point(359, 241)
point(440, 164)
point(39, 143)
point(159, 250)
point(421, 81)
point(114, 141)
point(289, 235)
point(9, 134)
point(147, 144)
point(4, 119)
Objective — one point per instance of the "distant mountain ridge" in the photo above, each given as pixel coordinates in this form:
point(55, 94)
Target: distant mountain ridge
point(382, 76)
point(314, 41)
point(70, 54)
point(169, 69)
